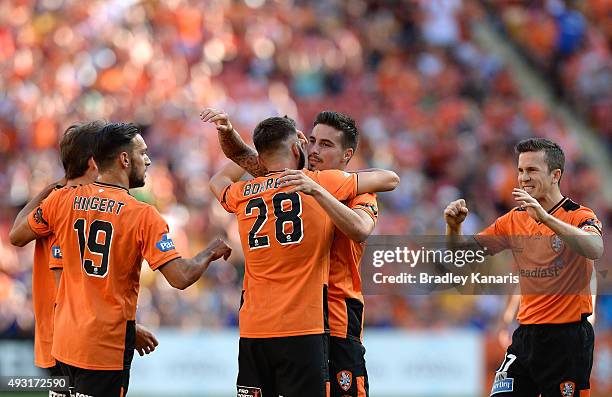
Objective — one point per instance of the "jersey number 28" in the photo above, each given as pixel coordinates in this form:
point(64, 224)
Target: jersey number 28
point(283, 217)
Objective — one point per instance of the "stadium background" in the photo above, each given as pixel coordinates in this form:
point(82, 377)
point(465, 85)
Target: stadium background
point(441, 91)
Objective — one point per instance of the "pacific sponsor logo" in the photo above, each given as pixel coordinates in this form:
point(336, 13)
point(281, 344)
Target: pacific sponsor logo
point(56, 252)
point(502, 386)
point(165, 244)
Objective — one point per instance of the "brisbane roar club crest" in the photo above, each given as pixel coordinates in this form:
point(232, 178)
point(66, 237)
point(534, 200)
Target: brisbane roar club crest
point(345, 379)
point(556, 243)
point(567, 389)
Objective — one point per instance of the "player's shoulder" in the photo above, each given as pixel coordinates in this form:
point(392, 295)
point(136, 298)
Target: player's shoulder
point(327, 175)
point(572, 207)
point(516, 214)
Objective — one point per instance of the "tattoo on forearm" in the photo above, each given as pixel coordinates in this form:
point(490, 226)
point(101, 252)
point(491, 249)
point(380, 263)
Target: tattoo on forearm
point(241, 153)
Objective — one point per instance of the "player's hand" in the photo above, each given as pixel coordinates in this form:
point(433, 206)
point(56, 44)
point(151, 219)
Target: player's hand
point(504, 337)
point(300, 182)
point(218, 249)
point(302, 138)
point(455, 213)
point(217, 117)
point(145, 340)
point(533, 207)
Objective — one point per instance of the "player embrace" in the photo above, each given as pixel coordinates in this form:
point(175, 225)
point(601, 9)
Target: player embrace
point(552, 350)
point(286, 219)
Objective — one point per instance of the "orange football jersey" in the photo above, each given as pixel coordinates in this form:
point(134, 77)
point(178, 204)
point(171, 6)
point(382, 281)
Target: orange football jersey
point(545, 264)
point(345, 299)
point(47, 255)
point(286, 239)
point(104, 234)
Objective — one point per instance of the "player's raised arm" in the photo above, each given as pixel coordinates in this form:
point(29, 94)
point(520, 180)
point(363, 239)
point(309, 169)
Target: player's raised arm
point(227, 175)
point(454, 215)
point(232, 144)
point(376, 180)
point(21, 233)
point(181, 273)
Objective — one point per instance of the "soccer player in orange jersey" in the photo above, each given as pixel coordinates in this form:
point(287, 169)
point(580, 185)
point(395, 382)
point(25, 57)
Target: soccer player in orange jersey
point(286, 233)
point(77, 159)
point(331, 145)
point(552, 349)
point(105, 234)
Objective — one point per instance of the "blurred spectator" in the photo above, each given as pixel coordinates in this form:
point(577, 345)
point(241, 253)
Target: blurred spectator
point(429, 102)
point(570, 42)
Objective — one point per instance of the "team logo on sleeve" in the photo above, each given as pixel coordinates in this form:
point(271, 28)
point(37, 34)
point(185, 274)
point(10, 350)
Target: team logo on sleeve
point(567, 389)
point(345, 378)
point(38, 216)
point(591, 225)
point(165, 244)
point(56, 252)
point(556, 243)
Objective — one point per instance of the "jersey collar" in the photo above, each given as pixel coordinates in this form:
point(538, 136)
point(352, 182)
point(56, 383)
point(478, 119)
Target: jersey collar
point(111, 185)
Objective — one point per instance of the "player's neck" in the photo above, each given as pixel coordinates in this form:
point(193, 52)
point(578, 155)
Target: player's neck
point(82, 180)
point(551, 199)
point(90, 176)
point(112, 177)
point(280, 164)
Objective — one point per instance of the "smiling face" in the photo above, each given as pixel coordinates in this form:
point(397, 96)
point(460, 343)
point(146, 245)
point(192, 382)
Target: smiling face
point(139, 162)
point(325, 149)
point(534, 176)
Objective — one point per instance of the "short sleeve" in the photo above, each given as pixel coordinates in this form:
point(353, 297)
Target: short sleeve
point(495, 238)
point(229, 197)
point(55, 256)
point(157, 247)
point(586, 220)
point(41, 219)
point(365, 202)
point(342, 185)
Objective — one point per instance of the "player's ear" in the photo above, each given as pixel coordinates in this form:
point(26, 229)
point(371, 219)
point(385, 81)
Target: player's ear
point(295, 149)
point(557, 176)
point(348, 155)
point(91, 164)
point(125, 159)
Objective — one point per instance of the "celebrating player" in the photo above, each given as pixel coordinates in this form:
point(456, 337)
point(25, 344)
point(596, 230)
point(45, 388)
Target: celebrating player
point(80, 169)
point(552, 350)
point(286, 237)
point(104, 234)
point(332, 143)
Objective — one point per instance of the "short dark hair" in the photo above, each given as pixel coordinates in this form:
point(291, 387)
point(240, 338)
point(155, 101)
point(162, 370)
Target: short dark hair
point(271, 132)
point(553, 154)
point(112, 140)
point(76, 147)
point(341, 122)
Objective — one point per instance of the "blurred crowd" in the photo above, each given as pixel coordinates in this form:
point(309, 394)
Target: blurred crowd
point(571, 42)
point(429, 102)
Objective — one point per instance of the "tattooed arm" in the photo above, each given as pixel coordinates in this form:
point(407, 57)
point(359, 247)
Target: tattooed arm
point(232, 144)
